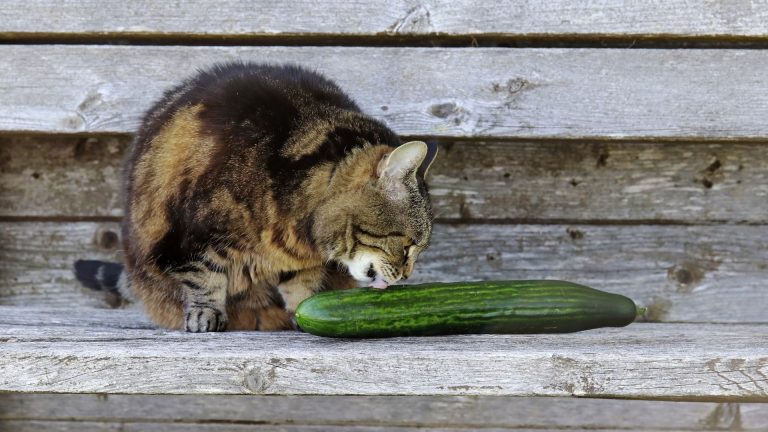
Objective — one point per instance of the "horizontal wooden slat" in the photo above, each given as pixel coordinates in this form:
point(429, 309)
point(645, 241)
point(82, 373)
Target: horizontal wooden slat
point(596, 181)
point(36, 261)
point(381, 18)
point(61, 176)
point(387, 411)
point(702, 361)
point(100, 426)
point(484, 92)
point(682, 273)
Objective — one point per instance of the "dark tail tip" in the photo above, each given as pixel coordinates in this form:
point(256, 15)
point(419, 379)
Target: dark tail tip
point(98, 275)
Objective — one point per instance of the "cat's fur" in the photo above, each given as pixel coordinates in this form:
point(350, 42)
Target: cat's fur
point(250, 187)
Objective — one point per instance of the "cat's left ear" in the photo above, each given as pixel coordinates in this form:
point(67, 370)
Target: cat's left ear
point(407, 159)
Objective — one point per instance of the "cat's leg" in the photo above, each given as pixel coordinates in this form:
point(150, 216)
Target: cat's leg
point(306, 282)
point(301, 285)
point(250, 310)
point(204, 283)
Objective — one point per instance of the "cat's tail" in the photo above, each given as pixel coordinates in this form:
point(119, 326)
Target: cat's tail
point(103, 276)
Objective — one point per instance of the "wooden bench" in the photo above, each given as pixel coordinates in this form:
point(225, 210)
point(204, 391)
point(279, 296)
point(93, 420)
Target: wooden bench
point(617, 145)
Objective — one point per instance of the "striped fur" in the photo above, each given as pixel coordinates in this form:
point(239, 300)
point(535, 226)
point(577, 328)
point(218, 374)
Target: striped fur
point(250, 187)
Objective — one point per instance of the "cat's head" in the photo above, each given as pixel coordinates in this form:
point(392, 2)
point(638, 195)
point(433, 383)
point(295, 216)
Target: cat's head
point(384, 220)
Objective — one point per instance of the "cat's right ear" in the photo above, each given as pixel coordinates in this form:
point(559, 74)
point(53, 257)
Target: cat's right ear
point(400, 164)
point(405, 160)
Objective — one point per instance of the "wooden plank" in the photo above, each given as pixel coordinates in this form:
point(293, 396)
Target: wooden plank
point(35, 266)
point(681, 273)
point(98, 426)
point(61, 177)
point(483, 92)
point(70, 177)
point(387, 411)
point(699, 361)
point(380, 18)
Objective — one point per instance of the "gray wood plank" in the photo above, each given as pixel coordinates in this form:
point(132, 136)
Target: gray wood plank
point(380, 18)
point(98, 426)
point(58, 176)
point(483, 92)
point(681, 273)
point(391, 411)
point(700, 361)
point(37, 265)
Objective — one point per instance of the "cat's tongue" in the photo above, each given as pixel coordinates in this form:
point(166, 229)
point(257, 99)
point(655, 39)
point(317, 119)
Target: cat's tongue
point(379, 283)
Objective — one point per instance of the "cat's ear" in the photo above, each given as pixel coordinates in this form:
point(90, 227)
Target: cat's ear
point(428, 159)
point(406, 159)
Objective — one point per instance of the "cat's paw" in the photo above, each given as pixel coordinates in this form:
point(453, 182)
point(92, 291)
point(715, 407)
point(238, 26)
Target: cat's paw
point(204, 319)
point(294, 324)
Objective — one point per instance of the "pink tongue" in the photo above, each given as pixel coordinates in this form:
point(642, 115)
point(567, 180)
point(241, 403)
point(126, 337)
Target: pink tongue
point(379, 283)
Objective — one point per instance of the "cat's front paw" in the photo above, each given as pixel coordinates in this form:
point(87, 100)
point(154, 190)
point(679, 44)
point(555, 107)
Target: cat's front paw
point(205, 319)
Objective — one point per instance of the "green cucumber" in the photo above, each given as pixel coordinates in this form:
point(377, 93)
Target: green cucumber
point(542, 306)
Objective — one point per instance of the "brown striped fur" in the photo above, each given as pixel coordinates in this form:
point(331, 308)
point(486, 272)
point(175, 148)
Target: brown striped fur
point(250, 187)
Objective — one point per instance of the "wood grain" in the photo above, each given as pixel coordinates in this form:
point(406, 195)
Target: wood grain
point(681, 273)
point(704, 361)
point(447, 92)
point(386, 411)
point(36, 261)
point(61, 176)
point(70, 177)
point(382, 18)
point(100, 426)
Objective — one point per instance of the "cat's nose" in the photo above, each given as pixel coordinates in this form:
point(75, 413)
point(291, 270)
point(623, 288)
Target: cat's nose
point(371, 272)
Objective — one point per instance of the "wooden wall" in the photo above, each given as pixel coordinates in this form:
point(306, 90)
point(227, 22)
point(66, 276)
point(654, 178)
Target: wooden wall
point(621, 144)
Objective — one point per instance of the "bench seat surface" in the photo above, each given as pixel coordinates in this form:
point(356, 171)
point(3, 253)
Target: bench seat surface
point(119, 351)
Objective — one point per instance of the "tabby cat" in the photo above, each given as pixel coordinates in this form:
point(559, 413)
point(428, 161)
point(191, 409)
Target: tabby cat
point(250, 187)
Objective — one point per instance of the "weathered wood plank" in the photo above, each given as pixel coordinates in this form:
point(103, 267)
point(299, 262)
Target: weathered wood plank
point(484, 92)
point(594, 181)
point(704, 361)
point(61, 177)
point(99, 426)
point(682, 273)
point(390, 411)
point(383, 18)
point(36, 261)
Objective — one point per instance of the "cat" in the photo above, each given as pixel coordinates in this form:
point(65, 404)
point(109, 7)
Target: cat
point(249, 187)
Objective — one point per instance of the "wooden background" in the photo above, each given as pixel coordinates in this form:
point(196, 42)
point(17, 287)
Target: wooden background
point(620, 144)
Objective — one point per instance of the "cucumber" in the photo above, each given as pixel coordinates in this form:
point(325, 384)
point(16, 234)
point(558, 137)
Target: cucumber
point(500, 307)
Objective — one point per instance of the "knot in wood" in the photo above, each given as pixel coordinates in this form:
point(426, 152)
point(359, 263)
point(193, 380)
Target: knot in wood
point(255, 381)
point(443, 110)
point(107, 239)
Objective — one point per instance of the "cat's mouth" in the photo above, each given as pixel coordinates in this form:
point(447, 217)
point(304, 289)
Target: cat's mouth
point(376, 280)
point(378, 283)
point(362, 269)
